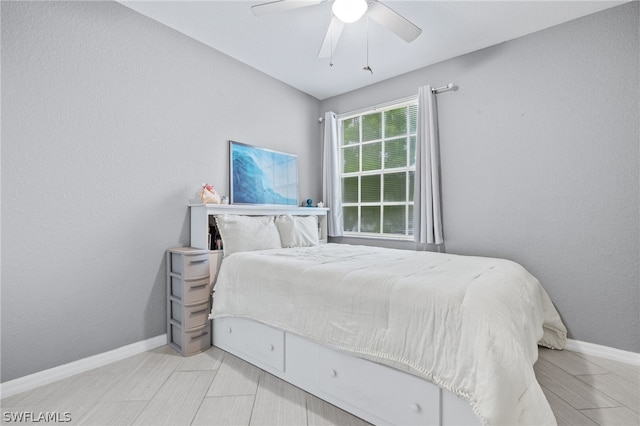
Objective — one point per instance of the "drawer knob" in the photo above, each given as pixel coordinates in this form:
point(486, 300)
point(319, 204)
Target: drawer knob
point(271, 347)
point(415, 408)
point(229, 330)
point(333, 373)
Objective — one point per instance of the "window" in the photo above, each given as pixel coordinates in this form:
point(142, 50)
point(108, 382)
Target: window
point(378, 151)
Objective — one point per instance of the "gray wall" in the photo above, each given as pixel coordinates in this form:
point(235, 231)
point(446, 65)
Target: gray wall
point(110, 122)
point(540, 159)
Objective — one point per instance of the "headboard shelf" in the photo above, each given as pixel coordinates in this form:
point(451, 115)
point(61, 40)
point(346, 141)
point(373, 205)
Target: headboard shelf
point(200, 214)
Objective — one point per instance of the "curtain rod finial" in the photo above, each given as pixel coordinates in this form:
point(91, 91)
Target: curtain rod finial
point(450, 86)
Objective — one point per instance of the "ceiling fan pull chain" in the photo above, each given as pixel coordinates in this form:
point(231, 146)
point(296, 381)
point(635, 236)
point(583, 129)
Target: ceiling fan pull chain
point(331, 39)
point(331, 59)
point(368, 68)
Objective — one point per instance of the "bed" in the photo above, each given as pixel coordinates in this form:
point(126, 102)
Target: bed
point(392, 336)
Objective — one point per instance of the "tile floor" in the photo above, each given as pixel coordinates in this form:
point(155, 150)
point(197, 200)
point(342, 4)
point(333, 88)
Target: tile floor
point(215, 388)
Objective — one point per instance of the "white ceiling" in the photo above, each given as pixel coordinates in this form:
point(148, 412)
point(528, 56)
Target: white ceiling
point(285, 45)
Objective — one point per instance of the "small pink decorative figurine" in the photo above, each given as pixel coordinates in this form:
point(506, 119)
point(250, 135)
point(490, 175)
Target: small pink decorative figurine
point(208, 195)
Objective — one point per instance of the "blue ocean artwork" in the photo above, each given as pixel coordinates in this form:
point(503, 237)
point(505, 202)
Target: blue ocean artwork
point(261, 176)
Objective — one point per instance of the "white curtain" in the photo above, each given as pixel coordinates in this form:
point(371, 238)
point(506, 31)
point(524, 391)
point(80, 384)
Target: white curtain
point(427, 216)
point(331, 184)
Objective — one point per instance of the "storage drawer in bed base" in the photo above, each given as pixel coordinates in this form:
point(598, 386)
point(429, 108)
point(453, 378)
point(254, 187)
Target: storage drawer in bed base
point(262, 345)
point(374, 392)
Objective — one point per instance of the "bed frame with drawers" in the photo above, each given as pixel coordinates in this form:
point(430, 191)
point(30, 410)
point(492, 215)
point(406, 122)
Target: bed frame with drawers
point(376, 393)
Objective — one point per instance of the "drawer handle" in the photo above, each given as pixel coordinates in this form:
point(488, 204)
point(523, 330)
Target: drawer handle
point(333, 373)
point(271, 347)
point(201, 311)
point(198, 261)
point(229, 330)
point(416, 408)
point(204, 333)
point(198, 286)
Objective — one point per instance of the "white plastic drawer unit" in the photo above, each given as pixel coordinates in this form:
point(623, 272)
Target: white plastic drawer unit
point(366, 385)
point(188, 299)
point(189, 316)
point(189, 291)
point(190, 266)
point(261, 343)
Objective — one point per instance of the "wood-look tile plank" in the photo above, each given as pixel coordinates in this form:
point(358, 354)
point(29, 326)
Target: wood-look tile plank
point(13, 400)
point(572, 390)
point(123, 366)
point(224, 411)
point(177, 402)
point(142, 383)
point(616, 416)
point(565, 414)
point(321, 413)
point(620, 390)
point(570, 362)
point(73, 394)
point(132, 363)
point(44, 393)
point(235, 377)
point(207, 360)
point(628, 372)
point(278, 403)
point(113, 413)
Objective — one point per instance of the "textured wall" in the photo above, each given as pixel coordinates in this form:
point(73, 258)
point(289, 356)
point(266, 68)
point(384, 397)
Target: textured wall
point(540, 150)
point(110, 121)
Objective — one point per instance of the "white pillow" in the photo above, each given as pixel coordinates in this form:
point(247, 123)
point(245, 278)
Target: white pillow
point(247, 233)
point(298, 231)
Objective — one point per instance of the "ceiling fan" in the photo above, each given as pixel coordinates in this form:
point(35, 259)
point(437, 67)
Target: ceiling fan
point(345, 12)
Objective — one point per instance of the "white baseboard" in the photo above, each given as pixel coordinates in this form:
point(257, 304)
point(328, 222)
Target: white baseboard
point(603, 352)
point(45, 377)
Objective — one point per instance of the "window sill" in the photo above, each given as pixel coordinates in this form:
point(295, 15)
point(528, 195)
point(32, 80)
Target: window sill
point(376, 241)
point(379, 241)
point(378, 237)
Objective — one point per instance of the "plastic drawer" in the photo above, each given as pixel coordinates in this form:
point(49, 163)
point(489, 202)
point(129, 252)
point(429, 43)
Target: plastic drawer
point(190, 266)
point(190, 316)
point(190, 342)
point(190, 292)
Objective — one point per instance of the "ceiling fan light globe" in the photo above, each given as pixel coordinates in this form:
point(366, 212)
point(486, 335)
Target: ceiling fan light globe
point(349, 11)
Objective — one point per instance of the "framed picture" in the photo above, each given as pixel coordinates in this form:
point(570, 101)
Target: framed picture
point(262, 176)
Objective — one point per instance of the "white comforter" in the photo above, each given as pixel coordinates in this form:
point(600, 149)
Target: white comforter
point(469, 324)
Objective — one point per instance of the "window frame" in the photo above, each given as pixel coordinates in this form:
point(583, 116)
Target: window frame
point(407, 169)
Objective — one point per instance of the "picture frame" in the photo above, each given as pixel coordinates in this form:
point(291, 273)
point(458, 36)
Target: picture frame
point(262, 176)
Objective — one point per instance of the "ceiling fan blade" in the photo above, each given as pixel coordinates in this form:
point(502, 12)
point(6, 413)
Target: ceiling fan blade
point(282, 5)
point(393, 21)
point(331, 38)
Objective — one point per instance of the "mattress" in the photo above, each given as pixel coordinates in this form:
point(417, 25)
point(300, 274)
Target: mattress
point(468, 324)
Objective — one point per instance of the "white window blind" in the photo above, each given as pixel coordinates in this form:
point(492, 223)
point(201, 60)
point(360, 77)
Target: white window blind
point(377, 149)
